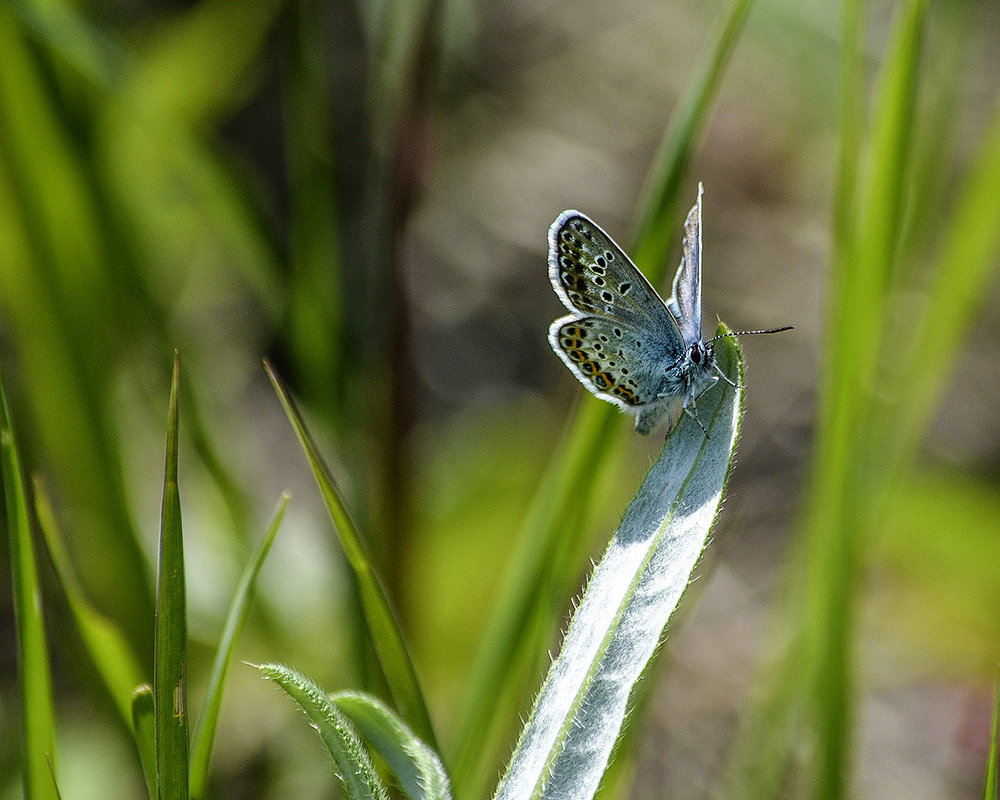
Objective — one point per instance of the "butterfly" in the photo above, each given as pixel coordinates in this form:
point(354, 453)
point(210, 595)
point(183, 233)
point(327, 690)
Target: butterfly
point(622, 342)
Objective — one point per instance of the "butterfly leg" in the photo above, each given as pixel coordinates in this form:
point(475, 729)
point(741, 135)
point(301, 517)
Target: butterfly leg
point(692, 411)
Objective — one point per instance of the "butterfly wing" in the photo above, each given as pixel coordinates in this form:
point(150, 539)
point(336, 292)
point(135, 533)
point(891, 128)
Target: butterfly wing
point(685, 304)
point(593, 276)
point(620, 341)
point(613, 359)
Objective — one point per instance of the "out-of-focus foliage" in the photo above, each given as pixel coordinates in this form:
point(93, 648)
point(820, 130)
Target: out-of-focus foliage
point(360, 192)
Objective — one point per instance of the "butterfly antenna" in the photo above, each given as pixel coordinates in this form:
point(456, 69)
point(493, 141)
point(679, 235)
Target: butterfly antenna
point(748, 333)
point(741, 333)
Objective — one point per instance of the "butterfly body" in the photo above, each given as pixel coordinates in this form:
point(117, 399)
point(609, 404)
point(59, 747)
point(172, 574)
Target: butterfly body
point(622, 342)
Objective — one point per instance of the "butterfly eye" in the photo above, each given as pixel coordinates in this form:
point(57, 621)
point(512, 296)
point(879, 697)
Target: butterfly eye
point(696, 354)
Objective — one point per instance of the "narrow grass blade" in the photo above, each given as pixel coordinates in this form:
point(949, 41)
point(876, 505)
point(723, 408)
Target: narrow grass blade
point(865, 253)
point(892, 127)
point(502, 666)
point(960, 279)
point(564, 748)
point(34, 675)
point(417, 768)
point(656, 230)
point(108, 648)
point(590, 445)
point(86, 47)
point(201, 748)
point(760, 760)
point(990, 789)
point(401, 35)
point(944, 78)
point(170, 655)
point(840, 485)
point(865, 270)
point(194, 62)
point(315, 316)
point(387, 638)
point(55, 298)
point(361, 782)
point(812, 701)
point(850, 111)
point(144, 726)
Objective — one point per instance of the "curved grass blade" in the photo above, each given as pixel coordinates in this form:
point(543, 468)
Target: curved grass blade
point(361, 782)
point(386, 636)
point(34, 675)
point(417, 768)
point(565, 746)
point(589, 446)
point(170, 636)
point(89, 49)
point(108, 648)
point(204, 733)
point(59, 317)
point(193, 62)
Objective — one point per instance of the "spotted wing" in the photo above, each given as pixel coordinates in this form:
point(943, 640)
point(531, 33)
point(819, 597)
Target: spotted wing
point(614, 360)
point(593, 276)
point(685, 303)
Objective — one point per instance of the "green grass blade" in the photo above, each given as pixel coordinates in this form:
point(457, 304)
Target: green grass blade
point(990, 791)
point(881, 221)
point(194, 68)
point(361, 782)
point(960, 279)
point(194, 64)
point(590, 445)
point(170, 655)
point(837, 505)
point(814, 694)
point(564, 748)
point(315, 324)
point(417, 768)
point(867, 267)
point(34, 678)
point(403, 26)
point(86, 47)
point(850, 111)
point(500, 666)
point(944, 77)
point(387, 638)
point(109, 650)
point(56, 300)
point(144, 726)
point(655, 230)
point(863, 261)
point(836, 512)
point(201, 748)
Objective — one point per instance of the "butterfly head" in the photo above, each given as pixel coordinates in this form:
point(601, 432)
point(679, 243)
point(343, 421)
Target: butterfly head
point(698, 368)
point(701, 355)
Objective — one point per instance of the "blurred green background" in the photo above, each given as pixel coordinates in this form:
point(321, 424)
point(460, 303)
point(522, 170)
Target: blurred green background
point(360, 193)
